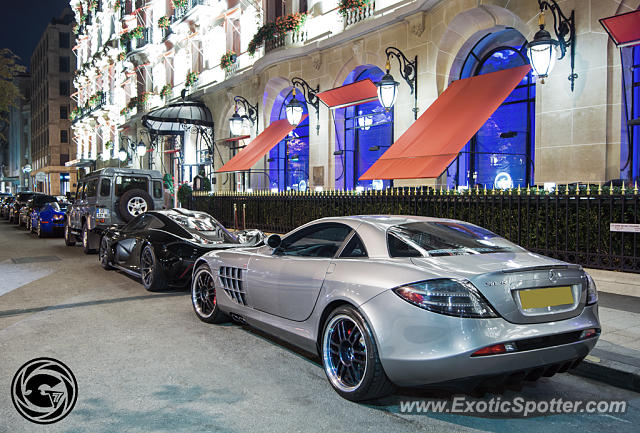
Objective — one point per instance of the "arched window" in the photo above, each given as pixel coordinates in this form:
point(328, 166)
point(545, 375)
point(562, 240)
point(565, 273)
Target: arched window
point(288, 162)
point(501, 153)
point(363, 133)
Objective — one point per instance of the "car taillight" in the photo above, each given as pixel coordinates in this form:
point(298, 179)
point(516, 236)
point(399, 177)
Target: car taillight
point(452, 297)
point(496, 349)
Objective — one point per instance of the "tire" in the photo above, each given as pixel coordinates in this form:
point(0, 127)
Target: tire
point(85, 240)
point(69, 238)
point(204, 298)
point(39, 231)
point(350, 357)
point(151, 274)
point(103, 254)
point(133, 203)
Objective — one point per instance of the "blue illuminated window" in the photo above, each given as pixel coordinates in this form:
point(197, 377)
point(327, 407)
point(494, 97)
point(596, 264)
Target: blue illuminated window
point(630, 142)
point(501, 153)
point(288, 161)
point(363, 133)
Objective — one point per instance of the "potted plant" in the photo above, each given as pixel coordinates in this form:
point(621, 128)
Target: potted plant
point(137, 33)
point(282, 27)
point(346, 6)
point(228, 59)
point(164, 22)
point(125, 111)
point(166, 90)
point(179, 3)
point(191, 79)
point(117, 5)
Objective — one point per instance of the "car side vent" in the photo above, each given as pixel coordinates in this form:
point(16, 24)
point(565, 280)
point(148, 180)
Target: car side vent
point(232, 283)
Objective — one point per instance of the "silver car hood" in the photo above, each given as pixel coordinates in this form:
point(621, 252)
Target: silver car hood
point(500, 277)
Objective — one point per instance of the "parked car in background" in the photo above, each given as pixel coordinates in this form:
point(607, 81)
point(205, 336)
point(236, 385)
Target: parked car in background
point(17, 204)
point(35, 202)
point(47, 216)
point(4, 206)
point(108, 197)
point(160, 247)
point(404, 300)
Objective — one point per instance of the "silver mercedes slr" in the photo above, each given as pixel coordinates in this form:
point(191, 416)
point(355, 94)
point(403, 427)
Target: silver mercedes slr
point(407, 301)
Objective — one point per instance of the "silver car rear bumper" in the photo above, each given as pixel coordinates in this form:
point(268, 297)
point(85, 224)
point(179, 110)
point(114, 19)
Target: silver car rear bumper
point(418, 347)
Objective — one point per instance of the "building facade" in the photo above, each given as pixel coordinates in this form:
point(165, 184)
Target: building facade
point(16, 158)
point(134, 56)
point(52, 71)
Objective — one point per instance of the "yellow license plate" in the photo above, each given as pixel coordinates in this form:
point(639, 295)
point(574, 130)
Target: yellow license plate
point(546, 297)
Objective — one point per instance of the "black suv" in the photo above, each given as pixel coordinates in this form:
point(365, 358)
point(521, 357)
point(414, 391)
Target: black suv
point(108, 197)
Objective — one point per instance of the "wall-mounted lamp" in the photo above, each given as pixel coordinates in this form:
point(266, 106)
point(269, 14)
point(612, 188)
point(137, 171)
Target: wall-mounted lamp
point(542, 50)
point(294, 110)
point(388, 87)
point(122, 154)
point(310, 97)
point(250, 113)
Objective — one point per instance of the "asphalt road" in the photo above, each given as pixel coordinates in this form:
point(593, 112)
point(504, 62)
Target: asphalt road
point(143, 362)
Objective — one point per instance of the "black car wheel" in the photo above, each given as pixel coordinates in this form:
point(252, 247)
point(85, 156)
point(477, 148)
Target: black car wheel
point(103, 254)
point(69, 238)
point(203, 296)
point(350, 357)
point(86, 241)
point(150, 270)
point(133, 203)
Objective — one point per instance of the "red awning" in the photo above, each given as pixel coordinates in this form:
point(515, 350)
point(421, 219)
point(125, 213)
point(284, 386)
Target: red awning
point(427, 148)
point(263, 143)
point(624, 29)
point(350, 94)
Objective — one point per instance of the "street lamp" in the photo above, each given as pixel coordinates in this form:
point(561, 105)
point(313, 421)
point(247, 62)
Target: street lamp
point(294, 110)
point(388, 87)
point(310, 97)
point(141, 149)
point(235, 123)
point(250, 113)
point(122, 154)
point(542, 50)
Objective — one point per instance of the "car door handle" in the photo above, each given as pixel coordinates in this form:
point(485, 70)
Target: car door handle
point(332, 266)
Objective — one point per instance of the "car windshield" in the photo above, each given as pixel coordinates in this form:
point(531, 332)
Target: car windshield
point(444, 238)
point(54, 205)
point(203, 225)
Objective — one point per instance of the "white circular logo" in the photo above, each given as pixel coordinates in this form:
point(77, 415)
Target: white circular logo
point(44, 390)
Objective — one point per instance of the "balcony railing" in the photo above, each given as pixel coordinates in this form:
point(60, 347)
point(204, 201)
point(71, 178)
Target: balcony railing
point(88, 109)
point(145, 39)
point(180, 13)
point(356, 15)
point(289, 39)
point(231, 70)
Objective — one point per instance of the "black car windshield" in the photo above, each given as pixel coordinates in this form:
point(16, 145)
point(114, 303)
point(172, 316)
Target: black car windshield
point(203, 225)
point(444, 238)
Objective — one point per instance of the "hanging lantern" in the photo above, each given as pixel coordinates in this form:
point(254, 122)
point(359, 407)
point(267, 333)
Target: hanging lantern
point(141, 149)
point(236, 123)
point(542, 51)
point(122, 154)
point(387, 89)
point(294, 110)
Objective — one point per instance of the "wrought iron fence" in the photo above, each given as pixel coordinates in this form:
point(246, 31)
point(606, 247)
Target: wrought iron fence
point(571, 224)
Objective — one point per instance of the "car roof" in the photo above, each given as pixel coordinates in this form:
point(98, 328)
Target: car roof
point(113, 171)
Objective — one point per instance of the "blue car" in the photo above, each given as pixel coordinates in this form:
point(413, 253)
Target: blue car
point(47, 217)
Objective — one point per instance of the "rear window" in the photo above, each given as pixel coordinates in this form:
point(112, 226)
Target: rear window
point(127, 183)
point(105, 187)
point(203, 225)
point(157, 189)
point(444, 238)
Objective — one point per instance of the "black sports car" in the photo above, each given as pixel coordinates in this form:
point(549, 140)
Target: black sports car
point(160, 247)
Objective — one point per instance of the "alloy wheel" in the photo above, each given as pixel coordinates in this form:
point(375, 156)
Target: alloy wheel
point(203, 294)
point(147, 263)
point(102, 252)
point(345, 353)
point(137, 206)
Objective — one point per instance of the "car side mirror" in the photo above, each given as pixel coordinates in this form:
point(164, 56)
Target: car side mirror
point(274, 241)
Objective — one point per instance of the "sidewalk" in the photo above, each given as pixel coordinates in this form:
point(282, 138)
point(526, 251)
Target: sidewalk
point(616, 358)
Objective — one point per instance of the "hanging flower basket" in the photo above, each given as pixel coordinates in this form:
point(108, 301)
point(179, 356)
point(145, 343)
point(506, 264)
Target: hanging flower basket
point(121, 56)
point(137, 33)
point(125, 111)
point(117, 5)
point(166, 90)
point(74, 113)
point(164, 22)
point(191, 79)
point(269, 31)
point(144, 98)
point(92, 5)
point(95, 99)
point(345, 6)
point(179, 3)
point(228, 59)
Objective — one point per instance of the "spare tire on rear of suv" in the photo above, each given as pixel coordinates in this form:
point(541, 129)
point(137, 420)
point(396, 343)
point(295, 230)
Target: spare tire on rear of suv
point(133, 203)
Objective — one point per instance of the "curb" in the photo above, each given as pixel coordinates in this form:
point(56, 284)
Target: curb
point(610, 372)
